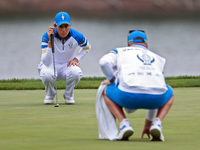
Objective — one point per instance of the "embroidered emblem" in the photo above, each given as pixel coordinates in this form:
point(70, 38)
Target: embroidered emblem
point(140, 73)
point(131, 73)
point(70, 44)
point(149, 73)
point(63, 17)
point(145, 58)
point(157, 75)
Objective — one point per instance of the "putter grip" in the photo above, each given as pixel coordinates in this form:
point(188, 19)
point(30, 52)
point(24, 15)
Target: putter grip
point(52, 43)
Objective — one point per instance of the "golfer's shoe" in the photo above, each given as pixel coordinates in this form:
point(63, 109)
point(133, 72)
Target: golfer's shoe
point(48, 101)
point(69, 101)
point(125, 131)
point(156, 133)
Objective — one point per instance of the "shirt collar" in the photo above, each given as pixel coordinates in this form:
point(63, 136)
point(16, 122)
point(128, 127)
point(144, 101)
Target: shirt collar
point(142, 46)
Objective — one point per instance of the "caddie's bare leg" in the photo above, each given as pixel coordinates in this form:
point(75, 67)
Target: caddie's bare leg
point(125, 128)
point(162, 111)
point(114, 108)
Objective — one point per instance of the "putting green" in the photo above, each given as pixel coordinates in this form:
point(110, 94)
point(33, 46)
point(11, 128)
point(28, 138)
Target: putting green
point(27, 124)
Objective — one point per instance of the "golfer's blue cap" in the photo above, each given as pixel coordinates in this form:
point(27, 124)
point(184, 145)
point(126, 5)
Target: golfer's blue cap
point(137, 36)
point(61, 18)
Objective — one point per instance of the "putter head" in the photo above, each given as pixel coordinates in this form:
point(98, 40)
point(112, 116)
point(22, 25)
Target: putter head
point(57, 105)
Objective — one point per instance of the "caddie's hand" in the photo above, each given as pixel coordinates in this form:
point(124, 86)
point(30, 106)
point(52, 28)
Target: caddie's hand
point(146, 128)
point(74, 62)
point(145, 131)
point(106, 82)
point(49, 32)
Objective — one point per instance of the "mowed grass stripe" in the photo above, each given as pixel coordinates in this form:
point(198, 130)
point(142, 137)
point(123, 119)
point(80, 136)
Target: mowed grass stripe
point(25, 123)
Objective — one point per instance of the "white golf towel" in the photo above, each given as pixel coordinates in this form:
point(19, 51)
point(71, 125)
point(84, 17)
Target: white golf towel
point(106, 122)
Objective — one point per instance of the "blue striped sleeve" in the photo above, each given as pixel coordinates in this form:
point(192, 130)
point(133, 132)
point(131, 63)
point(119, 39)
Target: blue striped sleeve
point(79, 37)
point(114, 51)
point(45, 40)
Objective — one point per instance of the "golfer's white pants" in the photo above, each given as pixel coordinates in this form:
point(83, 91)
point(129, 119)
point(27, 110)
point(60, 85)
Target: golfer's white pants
point(71, 75)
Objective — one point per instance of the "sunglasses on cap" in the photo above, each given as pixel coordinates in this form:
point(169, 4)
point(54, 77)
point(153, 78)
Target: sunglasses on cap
point(130, 31)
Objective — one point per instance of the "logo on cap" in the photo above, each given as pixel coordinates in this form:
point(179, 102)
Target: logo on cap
point(63, 17)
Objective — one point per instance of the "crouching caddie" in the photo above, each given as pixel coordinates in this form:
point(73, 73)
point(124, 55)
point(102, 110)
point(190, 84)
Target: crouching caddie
point(140, 84)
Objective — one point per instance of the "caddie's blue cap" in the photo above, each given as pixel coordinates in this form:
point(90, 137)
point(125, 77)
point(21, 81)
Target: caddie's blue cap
point(134, 34)
point(61, 18)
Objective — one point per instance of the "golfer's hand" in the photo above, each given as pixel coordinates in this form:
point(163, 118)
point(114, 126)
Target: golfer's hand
point(74, 62)
point(50, 31)
point(145, 131)
point(106, 82)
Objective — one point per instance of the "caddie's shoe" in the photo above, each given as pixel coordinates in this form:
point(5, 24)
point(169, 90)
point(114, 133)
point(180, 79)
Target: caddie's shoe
point(125, 130)
point(48, 101)
point(156, 133)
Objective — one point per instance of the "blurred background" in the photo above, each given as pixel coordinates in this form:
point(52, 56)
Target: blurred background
point(172, 28)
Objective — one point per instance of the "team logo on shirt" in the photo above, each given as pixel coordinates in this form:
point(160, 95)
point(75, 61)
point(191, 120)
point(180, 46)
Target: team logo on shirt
point(145, 58)
point(70, 44)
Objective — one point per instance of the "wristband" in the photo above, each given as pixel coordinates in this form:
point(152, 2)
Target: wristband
point(112, 80)
point(49, 41)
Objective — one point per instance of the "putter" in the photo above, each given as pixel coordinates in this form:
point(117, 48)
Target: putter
point(54, 67)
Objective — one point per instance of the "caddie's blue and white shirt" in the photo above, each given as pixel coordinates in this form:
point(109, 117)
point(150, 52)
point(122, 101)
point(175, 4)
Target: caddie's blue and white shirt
point(139, 69)
point(65, 50)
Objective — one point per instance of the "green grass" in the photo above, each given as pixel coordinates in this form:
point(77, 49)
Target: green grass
point(27, 124)
point(89, 83)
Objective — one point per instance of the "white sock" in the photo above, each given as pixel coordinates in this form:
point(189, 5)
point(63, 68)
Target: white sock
point(151, 113)
point(124, 122)
point(157, 121)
